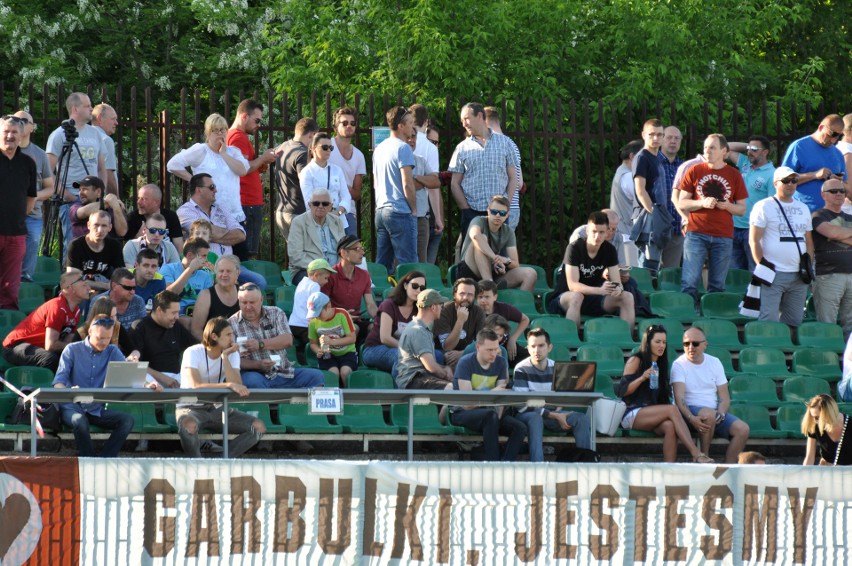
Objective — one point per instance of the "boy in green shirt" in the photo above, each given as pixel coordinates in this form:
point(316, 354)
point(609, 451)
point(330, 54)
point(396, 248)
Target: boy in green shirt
point(332, 334)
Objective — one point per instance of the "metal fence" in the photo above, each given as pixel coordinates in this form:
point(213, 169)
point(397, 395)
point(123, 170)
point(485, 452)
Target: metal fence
point(569, 149)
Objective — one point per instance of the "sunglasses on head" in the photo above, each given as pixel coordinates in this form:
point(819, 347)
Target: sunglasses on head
point(249, 287)
point(160, 231)
point(14, 119)
point(107, 322)
point(319, 203)
point(500, 213)
point(693, 343)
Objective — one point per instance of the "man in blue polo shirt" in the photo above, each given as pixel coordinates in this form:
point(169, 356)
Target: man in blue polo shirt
point(816, 159)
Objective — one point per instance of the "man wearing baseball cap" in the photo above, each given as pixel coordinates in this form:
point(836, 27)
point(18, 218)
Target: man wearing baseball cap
point(91, 199)
point(350, 284)
point(417, 367)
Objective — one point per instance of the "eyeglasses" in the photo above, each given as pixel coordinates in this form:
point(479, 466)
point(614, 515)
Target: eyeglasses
point(320, 203)
point(836, 135)
point(249, 287)
point(127, 287)
point(754, 148)
point(416, 286)
point(160, 231)
point(219, 131)
point(346, 123)
point(500, 213)
point(211, 187)
point(435, 142)
point(327, 147)
point(359, 249)
point(835, 191)
point(693, 343)
point(14, 119)
point(83, 279)
point(107, 322)
point(789, 180)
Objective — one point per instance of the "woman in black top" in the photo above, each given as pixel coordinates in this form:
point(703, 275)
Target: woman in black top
point(825, 428)
point(652, 410)
point(221, 298)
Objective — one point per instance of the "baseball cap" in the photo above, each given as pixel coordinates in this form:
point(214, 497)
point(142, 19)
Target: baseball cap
point(348, 241)
point(429, 297)
point(318, 264)
point(317, 302)
point(89, 181)
point(783, 173)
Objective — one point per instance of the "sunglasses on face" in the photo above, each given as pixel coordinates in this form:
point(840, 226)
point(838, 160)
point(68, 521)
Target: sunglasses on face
point(127, 287)
point(346, 123)
point(160, 231)
point(211, 187)
point(836, 135)
point(693, 343)
point(500, 213)
point(417, 286)
point(753, 148)
point(327, 147)
point(106, 322)
point(320, 203)
point(836, 191)
point(789, 180)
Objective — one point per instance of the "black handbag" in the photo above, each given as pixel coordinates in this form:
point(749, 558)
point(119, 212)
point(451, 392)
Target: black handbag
point(806, 266)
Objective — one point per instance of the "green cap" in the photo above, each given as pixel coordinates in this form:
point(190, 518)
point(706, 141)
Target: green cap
point(429, 297)
point(318, 264)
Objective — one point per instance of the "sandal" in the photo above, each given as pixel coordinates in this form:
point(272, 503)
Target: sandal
point(703, 458)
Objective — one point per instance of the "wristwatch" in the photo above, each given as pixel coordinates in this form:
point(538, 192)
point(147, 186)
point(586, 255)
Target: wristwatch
point(260, 344)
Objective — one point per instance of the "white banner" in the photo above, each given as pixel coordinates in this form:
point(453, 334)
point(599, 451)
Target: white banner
point(140, 511)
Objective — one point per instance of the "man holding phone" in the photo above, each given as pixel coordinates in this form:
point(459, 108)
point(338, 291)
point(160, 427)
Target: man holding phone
point(816, 159)
point(582, 289)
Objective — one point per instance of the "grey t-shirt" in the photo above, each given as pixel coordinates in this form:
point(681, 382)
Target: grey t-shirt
point(422, 194)
point(499, 241)
point(42, 171)
point(414, 341)
point(111, 159)
point(91, 148)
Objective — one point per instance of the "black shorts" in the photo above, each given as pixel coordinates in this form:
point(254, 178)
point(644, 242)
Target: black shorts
point(592, 306)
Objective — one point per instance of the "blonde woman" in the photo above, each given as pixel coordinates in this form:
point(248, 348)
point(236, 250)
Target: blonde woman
point(825, 427)
point(224, 163)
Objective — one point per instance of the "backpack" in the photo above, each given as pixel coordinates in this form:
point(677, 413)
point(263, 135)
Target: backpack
point(48, 415)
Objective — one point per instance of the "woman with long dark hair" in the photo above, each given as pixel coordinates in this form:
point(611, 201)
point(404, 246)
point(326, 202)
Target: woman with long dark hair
point(651, 409)
point(381, 348)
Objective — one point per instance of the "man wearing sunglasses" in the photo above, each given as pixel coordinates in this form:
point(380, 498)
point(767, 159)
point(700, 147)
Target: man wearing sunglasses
point(752, 159)
point(155, 230)
point(350, 159)
point(122, 291)
point(314, 235)
point(816, 159)
point(18, 179)
point(833, 253)
point(349, 285)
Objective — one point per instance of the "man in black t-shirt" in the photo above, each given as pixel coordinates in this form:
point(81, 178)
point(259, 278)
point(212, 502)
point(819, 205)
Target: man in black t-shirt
point(160, 341)
point(591, 283)
point(96, 255)
point(649, 184)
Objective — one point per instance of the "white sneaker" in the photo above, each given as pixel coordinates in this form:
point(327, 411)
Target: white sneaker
point(210, 446)
point(143, 445)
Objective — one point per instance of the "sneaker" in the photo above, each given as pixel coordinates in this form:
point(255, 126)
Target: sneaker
point(210, 446)
point(142, 446)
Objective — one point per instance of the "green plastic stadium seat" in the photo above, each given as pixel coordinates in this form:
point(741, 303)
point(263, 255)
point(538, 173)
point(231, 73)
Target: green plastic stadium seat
point(11, 318)
point(723, 305)
point(561, 353)
point(755, 390)
point(379, 277)
point(673, 304)
point(815, 362)
point(801, 389)
point(269, 270)
point(643, 280)
point(297, 420)
point(370, 379)
point(310, 357)
point(768, 334)
point(522, 300)
point(261, 412)
point(144, 417)
point(8, 402)
point(284, 298)
point(603, 385)
point(47, 272)
point(719, 332)
point(30, 376)
point(561, 330)
point(610, 359)
point(669, 279)
point(608, 331)
point(737, 280)
point(541, 285)
point(758, 421)
point(824, 335)
point(30, 297)
point(331, 378)
point(789, 419)
point(763, 361)
point(434, 278)
point(364, 419)
point(425, 419)
point(674, 328)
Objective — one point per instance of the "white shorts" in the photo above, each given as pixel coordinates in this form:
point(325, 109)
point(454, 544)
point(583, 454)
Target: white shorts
point(628, 418)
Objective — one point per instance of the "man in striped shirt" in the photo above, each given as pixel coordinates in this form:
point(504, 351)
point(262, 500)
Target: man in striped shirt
point(536, 374)
point(492, 118)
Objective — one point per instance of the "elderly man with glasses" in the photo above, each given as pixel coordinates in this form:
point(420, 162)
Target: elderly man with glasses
point(832, 235)
point(780, 234)
point(701, 394)
point(314, 235)
point(816, 159)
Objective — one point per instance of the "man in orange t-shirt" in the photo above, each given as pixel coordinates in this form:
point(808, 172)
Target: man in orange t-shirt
point(712, 193)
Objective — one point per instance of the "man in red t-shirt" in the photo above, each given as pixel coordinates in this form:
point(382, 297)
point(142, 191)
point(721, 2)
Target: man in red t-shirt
point(246, 123)
point(712, 193)
point(350, 284)
point(39, 339)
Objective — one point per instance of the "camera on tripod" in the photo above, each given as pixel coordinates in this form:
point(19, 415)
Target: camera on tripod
point(69, 128)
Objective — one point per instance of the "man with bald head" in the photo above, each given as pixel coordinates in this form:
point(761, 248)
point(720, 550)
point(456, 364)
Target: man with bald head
point(44, 185)
point(816, 159)
point(149, 201)
point(105, 120)
point(832, 236)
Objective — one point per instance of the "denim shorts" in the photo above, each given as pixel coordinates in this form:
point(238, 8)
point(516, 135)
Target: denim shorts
point(723, 428)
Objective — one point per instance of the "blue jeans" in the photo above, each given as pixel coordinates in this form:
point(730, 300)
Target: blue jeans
point(696, 248)
point(741, 257)
point(65, 220)
point(303, 378)
point(514, 218)
point(433, 246)
point(649, 257)
point(249, 276)
point(34, 228)
point(252, 224)
point(536, 425)
point(77, 420)
point(396, 238)
point(487, 422)
point(380, 357)
point(352, 229)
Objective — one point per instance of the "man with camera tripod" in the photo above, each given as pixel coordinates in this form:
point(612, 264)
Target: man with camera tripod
point(90, 160)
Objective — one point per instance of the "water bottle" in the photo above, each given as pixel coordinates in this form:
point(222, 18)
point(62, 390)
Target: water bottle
point(655, 376)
